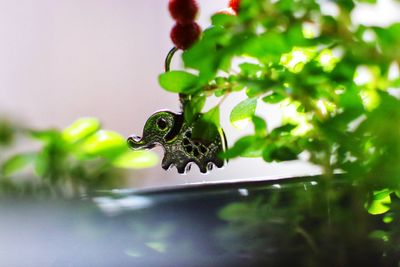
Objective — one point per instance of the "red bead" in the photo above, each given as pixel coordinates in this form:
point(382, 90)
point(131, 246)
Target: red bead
point(234, 4)
point(185, 35)
point(183, 11)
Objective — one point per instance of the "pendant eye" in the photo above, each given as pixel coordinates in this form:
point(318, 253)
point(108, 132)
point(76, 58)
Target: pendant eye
point(162, 124)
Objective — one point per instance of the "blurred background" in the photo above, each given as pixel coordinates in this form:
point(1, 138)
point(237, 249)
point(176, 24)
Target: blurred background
point(66, 59)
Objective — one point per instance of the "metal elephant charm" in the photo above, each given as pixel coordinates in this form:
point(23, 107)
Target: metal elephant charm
point(170, 130)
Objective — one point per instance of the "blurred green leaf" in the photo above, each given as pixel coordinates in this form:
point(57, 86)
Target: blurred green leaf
point(136, 160)
point(223, 20)
point(283, 130)
point(47, 136)
point(347, 5)
point(388, 218)
point(104, 143)
point(17, 163)
point(239, 147)
point(380, 203)
point(7, 132)
point(273, 98)
point(249, 69)
point(80, 129)
point(270, 45)
point(234, 212)
point(247, 146)
point(278, 153)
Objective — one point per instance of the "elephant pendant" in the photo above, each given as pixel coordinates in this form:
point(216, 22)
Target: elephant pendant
point(175, 135)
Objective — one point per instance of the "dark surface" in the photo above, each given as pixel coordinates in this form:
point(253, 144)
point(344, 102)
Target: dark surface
point(286, 222)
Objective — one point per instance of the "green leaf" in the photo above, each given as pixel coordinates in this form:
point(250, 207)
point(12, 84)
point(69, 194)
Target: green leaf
point(105, 144)
point(208, 55)
point(179, 82)
point(388, 218)
point(136, 160)
point(239, 147)
point(243, 112)
point(193, 107)
point(380, 203)
point(17, 163)
point(283, 153)
point(41, 164)
point(346, 4)
point(351, 99)
point(51, 161)
point(223, 20)
point(47, 136)
point(278, 153)
point(381, 194)
point(7, 132)
point(273, 98)
point(206, 128)
point(254, 88)
point(270, 45)
point(295, 36)
point(249, 69)
point(267, 153)
point(247, 146)
point(197, 103)
point(389, 40)
point(260, 126)
point(212, 115)
point(283, 130)
point(80, 129)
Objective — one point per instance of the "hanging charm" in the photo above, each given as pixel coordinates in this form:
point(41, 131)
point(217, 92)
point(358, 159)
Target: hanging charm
point(170, 130)
point(184, 141)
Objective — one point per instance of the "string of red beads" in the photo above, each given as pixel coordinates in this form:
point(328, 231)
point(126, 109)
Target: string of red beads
point(186, 31)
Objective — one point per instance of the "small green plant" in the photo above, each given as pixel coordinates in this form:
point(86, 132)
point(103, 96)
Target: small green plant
point(335, 81)
point(77, 159)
